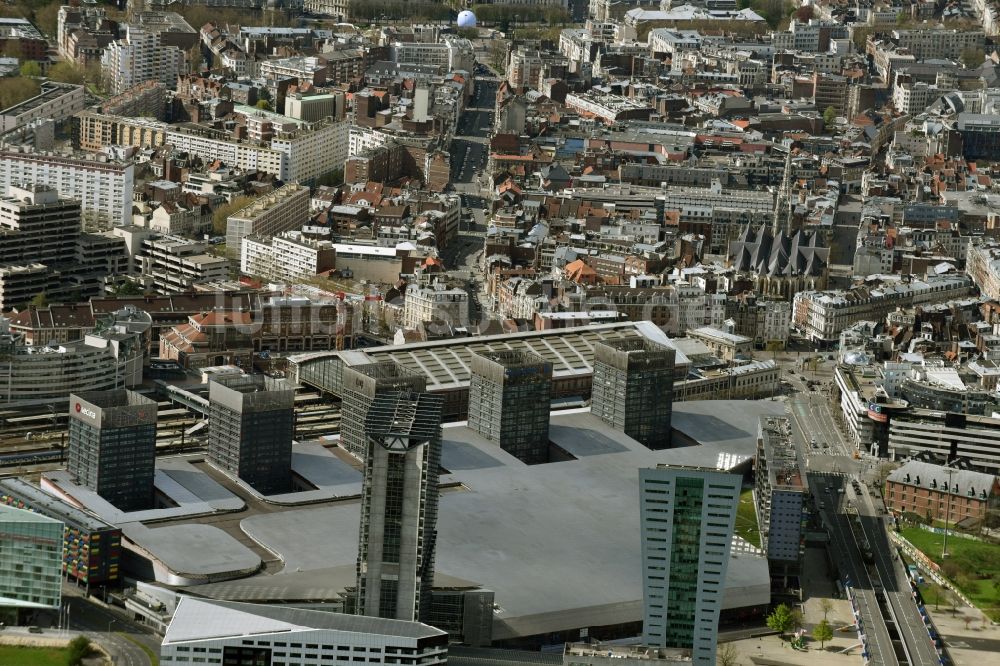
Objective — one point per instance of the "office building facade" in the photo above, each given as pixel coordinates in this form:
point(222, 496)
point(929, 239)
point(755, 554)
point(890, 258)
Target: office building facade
point(779, 494)
point(361, 385)
point(239, 634)
point(399, 506)
point(251, 423)
point(687, 516)
point(30, 559)
point(633, 388)
point(509, 400)
point(112, 446)
point(91, 547)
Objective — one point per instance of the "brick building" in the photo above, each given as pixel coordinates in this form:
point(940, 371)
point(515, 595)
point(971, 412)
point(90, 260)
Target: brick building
point(942, 493)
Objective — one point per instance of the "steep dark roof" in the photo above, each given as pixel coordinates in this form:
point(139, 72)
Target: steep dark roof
point(763, 253)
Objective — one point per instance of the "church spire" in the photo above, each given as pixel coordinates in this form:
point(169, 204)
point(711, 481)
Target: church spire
point(783, 203)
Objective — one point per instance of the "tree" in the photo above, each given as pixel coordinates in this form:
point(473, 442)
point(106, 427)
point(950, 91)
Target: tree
point(829, 116)
point(66, 72)
point(826, 606)
point(31, 68)
point(221, 214)
point(78, 649)
point(860, 37)
point(781, 619)
point(797, 619)
point(16, 89)
point(263, 104)
point(47, 18)
point(727, 655)
point(822, 633)
point(967, 619)
point(804, 13)
point(128, 287)
point(40, 300)
point(972, 57)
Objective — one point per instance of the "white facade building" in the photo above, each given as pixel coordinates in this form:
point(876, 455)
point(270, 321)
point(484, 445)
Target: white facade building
point(103, 187)
point(687, 519)
point(435, 301)
point(225, 632)
point(286, 257)
point(283, 209)
point(139, 57)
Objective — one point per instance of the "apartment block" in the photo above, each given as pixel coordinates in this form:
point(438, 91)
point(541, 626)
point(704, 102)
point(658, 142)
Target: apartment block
point(55, 101)
point(286, 257)
point(171, 264)
point(139, 57)
point(284, 209)
point(939, 42)
point(102, 186)
point(982, 263)
point(935, 492)
point(822, 315)
point(435, 301)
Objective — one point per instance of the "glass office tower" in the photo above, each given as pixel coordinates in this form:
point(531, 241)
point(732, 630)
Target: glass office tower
point(687, 519)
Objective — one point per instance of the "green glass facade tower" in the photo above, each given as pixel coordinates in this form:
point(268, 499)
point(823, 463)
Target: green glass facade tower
point(31, 547)
point(687, 519)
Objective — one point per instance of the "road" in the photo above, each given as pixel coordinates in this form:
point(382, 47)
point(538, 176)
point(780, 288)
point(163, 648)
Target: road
point(909, 622)
point(470, 145)
point(108, 628)
point(883, 600)
point(846, 554)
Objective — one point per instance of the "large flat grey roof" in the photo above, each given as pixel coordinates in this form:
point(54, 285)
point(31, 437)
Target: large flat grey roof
point(194, 552)
point(198, 619)
point(558, 543)
point(447, 363)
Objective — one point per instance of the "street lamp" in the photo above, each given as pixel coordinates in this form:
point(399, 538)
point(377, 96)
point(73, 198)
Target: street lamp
point(111, 623)
point(944, 542)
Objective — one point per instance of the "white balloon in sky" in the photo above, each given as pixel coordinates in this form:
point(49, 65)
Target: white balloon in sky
point(466, 19)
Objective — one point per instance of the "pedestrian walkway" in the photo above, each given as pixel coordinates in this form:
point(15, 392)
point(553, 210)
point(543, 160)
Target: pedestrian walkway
point(972, 644)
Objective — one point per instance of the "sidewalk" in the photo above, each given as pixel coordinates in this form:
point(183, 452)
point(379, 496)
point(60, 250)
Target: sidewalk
point(973, 646)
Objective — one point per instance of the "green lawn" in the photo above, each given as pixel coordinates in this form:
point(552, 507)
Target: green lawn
point(977, 565)
point(15, 655)
point(746, 518)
